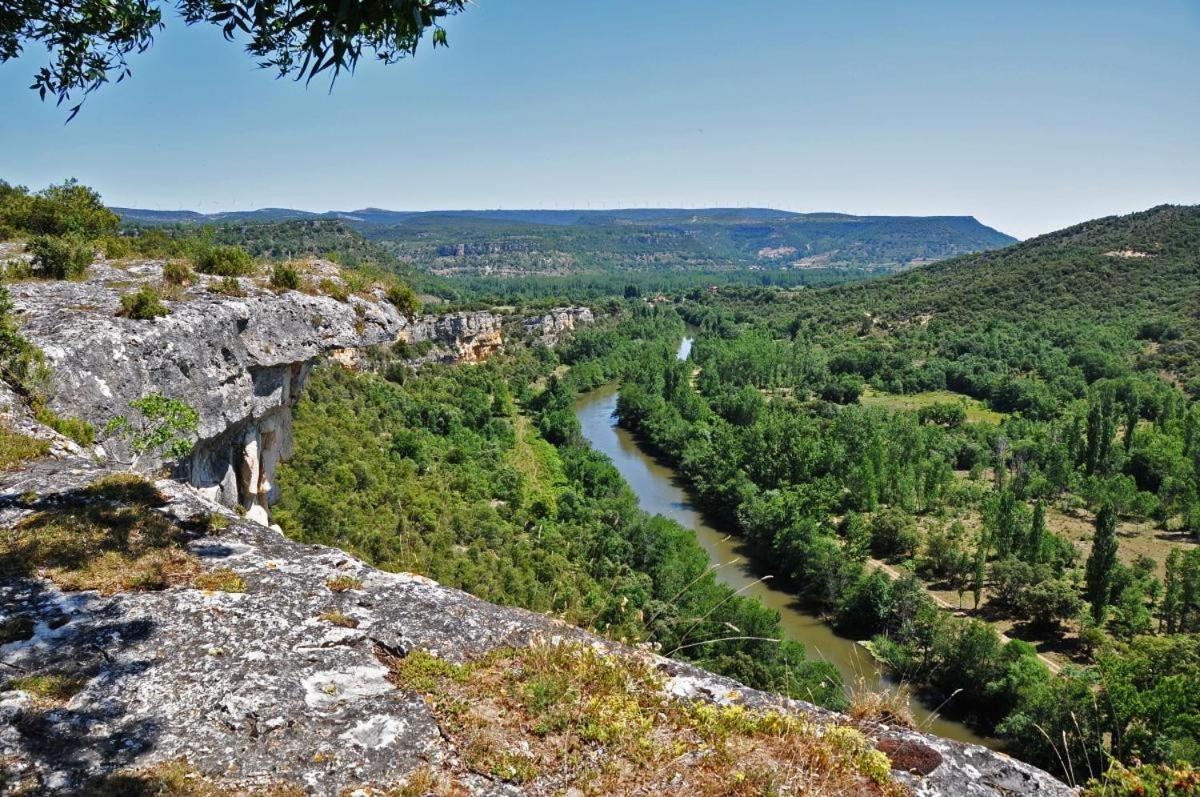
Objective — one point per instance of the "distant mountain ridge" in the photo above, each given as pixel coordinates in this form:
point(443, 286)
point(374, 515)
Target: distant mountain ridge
point(561, 242)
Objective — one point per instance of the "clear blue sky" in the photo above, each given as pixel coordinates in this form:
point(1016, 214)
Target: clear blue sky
point(1028, 114)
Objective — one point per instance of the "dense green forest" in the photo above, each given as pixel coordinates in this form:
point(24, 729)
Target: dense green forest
point(478, 477)
point(1049, 385)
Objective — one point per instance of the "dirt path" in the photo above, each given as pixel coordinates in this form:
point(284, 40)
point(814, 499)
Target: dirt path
point(894, 574)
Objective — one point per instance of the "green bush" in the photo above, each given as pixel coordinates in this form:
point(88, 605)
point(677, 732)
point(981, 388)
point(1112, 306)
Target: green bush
point(77, 429)
point(143, 304)
point(116, 247)
point(176, 272)
point(404, 298)
point(225, 261)
point(228, 286)
point(334, 289)
point(60, 257)
point(65, 209)
point(285, 277)
point(22, 364)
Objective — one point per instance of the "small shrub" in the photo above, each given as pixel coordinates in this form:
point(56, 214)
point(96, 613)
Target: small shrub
point(7, 232)
point(225, 261)
point(343, 583)
point(337, 618)
point(143, 304)
point(404, 298)
point(77, 429)
point(285, 277)
point(60, 257)
point(334, 289)
point(227, 286)
point(176, 272)
point(48, 688)
point(16, 448)
point(220, 580)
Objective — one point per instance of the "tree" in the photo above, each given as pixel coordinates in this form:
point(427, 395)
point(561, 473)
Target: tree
point(1036, 541)
point(89, 41)
point(165, 427)
point(1101, 560)
point(1049, 603)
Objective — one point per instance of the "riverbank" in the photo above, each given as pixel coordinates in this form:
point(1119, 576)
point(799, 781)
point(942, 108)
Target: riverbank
point(661, 491)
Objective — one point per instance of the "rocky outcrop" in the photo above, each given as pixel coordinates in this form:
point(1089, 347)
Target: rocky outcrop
point(547, 328)
point(240, 362)
point(458, 337)
point(256, 688)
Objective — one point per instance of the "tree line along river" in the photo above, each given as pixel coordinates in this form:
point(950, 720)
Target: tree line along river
point(660, 490)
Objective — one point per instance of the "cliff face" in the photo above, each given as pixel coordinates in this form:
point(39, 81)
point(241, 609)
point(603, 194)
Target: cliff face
point(277, 668)
point(241, 362)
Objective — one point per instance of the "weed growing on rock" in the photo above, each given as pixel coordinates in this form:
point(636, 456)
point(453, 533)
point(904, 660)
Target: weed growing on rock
point(51, 689)
point(143, 304)
point(571, 715)
point(227, 286)
point(343, 583)
point(176, 272)
point(77, 429)
point(337, 618)
point(220, 580)
point(128, 488)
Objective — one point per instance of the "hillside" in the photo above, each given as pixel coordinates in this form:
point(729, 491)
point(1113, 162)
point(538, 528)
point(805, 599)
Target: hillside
point(1114, 268)
point(529, 242)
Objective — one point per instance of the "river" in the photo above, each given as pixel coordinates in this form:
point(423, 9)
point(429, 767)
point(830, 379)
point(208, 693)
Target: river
point(661, 491)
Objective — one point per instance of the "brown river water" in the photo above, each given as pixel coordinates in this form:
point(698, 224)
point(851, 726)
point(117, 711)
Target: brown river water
point(660, 490)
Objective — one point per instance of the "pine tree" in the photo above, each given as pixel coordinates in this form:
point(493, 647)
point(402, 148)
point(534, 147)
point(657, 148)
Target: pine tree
point(1101, 560)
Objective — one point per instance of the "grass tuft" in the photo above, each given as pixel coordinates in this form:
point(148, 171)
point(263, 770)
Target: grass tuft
point(343, 583)
point(17, 449)
point(51, 689)
point(337, 618)
point(220, 580)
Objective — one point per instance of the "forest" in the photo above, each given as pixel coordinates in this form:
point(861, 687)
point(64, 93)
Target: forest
point(916, 456)
point(440, 472)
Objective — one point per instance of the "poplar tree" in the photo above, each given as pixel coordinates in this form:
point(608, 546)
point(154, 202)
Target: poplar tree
point(1101, 560)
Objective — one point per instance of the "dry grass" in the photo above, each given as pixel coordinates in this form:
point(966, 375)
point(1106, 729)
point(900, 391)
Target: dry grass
point(556, 716)
point(102, 546)
point(179, 779)
point(343, 583)
point(887, 706)
point(17, 449)
point(337, 618)
point(220, 580)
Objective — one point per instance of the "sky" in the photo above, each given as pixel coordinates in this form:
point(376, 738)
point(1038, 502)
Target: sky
point(1029, 115)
